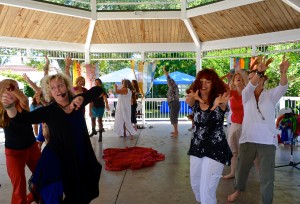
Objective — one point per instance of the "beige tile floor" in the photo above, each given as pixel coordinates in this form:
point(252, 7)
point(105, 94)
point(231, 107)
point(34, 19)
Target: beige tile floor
point(168, 181)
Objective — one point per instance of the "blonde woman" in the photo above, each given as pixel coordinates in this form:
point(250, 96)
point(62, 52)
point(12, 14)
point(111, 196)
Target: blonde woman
point(237, 84)
point(21, 148)
point(68, 170)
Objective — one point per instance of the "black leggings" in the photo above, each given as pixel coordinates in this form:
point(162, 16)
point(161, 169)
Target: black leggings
point(133, 113)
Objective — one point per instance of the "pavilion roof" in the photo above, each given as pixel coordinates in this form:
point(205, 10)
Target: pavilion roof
point(223, 24)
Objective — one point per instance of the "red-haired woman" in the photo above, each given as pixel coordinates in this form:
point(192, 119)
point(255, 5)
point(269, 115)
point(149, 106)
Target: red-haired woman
point(209, 150)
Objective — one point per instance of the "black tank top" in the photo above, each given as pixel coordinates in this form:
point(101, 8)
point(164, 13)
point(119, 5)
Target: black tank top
point(19, 135)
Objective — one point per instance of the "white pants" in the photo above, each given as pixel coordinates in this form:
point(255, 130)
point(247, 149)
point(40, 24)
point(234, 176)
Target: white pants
point(205, 174)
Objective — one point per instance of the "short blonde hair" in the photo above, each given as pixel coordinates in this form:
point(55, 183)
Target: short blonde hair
point(78, 79)
point(46, 85)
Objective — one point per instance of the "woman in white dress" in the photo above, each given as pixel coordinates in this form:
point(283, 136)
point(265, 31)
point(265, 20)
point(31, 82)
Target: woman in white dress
point(123, 113)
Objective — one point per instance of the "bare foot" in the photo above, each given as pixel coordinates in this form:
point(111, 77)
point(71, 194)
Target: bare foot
point(131, 137)
point(228, 176)
point(174, 134)
point(234, 196)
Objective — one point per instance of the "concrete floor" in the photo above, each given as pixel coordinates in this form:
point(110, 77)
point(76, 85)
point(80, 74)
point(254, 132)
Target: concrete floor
point(168, 181)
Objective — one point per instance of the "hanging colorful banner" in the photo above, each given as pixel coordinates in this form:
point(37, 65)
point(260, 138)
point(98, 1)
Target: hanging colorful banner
point(240, 63)
point(90, 75)
point(76, 71)
point(144, 74)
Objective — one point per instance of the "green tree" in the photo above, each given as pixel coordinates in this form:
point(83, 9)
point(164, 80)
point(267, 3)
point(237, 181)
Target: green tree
point(28, 91)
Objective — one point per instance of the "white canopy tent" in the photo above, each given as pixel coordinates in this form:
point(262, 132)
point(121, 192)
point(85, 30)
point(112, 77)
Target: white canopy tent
point(118, 76)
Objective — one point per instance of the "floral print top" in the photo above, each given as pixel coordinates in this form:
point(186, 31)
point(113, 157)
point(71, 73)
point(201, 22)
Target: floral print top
point(173, 92)
point(209, 139)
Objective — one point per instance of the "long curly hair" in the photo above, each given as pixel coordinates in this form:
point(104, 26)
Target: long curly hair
point(4, 119)
point(218, 86)
point(135, 86)
point(127, 84)
point(46, 85)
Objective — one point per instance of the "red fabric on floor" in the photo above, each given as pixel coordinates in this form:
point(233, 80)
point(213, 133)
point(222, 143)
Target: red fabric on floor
point(118, 159)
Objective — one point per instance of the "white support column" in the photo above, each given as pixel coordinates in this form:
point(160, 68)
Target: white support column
point(253, 50)
point(198, 60)
point(143, 56)
point(90, 31)
point(144, 111)
point(193, 34)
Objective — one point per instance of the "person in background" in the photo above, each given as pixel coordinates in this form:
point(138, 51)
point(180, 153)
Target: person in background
point(80, 83)
point(238, 82)
point(21, 148)
point(38, 128)
point(123, 112)
point(68, 170)
point(134, 98)
point(97, 107)
point(209, 150)
point(37, 102)
point(111, 102)
point(260, 138)
point(173, 102)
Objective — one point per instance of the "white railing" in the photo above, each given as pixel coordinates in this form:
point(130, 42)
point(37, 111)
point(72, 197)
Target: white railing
point(157, 108)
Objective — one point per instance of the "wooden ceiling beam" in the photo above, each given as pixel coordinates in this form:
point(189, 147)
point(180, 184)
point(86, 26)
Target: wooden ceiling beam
point(131, 15)
point(219, 6)
point(295, 4)
point(46, 7)
point(268, 38)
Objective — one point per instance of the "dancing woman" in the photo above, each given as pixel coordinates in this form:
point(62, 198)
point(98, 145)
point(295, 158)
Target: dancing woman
point(68, 170)
point(209, 150)
point(123, 111)
point(21, 148)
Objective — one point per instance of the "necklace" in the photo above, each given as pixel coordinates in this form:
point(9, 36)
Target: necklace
point(63, 107)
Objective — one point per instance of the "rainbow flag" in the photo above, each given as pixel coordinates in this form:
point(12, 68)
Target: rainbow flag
point(240, 63)
point(144, 74)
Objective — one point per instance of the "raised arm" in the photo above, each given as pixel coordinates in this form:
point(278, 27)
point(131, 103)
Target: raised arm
point(31, 83)
point(165, 71)
point(262, 65)
point(46, 68)
point(284, 65)
point(120, 91)
point(68, 62)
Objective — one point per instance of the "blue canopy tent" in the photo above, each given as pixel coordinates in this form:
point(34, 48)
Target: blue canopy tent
point(179, 78)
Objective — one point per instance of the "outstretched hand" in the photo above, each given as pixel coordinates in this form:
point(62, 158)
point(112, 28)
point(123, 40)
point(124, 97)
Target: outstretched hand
point(221, 100)
point(68, 61)
point(25, 77)
point(195, 96)
point(263, 63)
point(47, 60)
point(284, 65)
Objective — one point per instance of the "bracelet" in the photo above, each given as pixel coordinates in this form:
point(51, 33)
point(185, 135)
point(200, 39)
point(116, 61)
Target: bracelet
point(9, 106)
point(260, 74)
